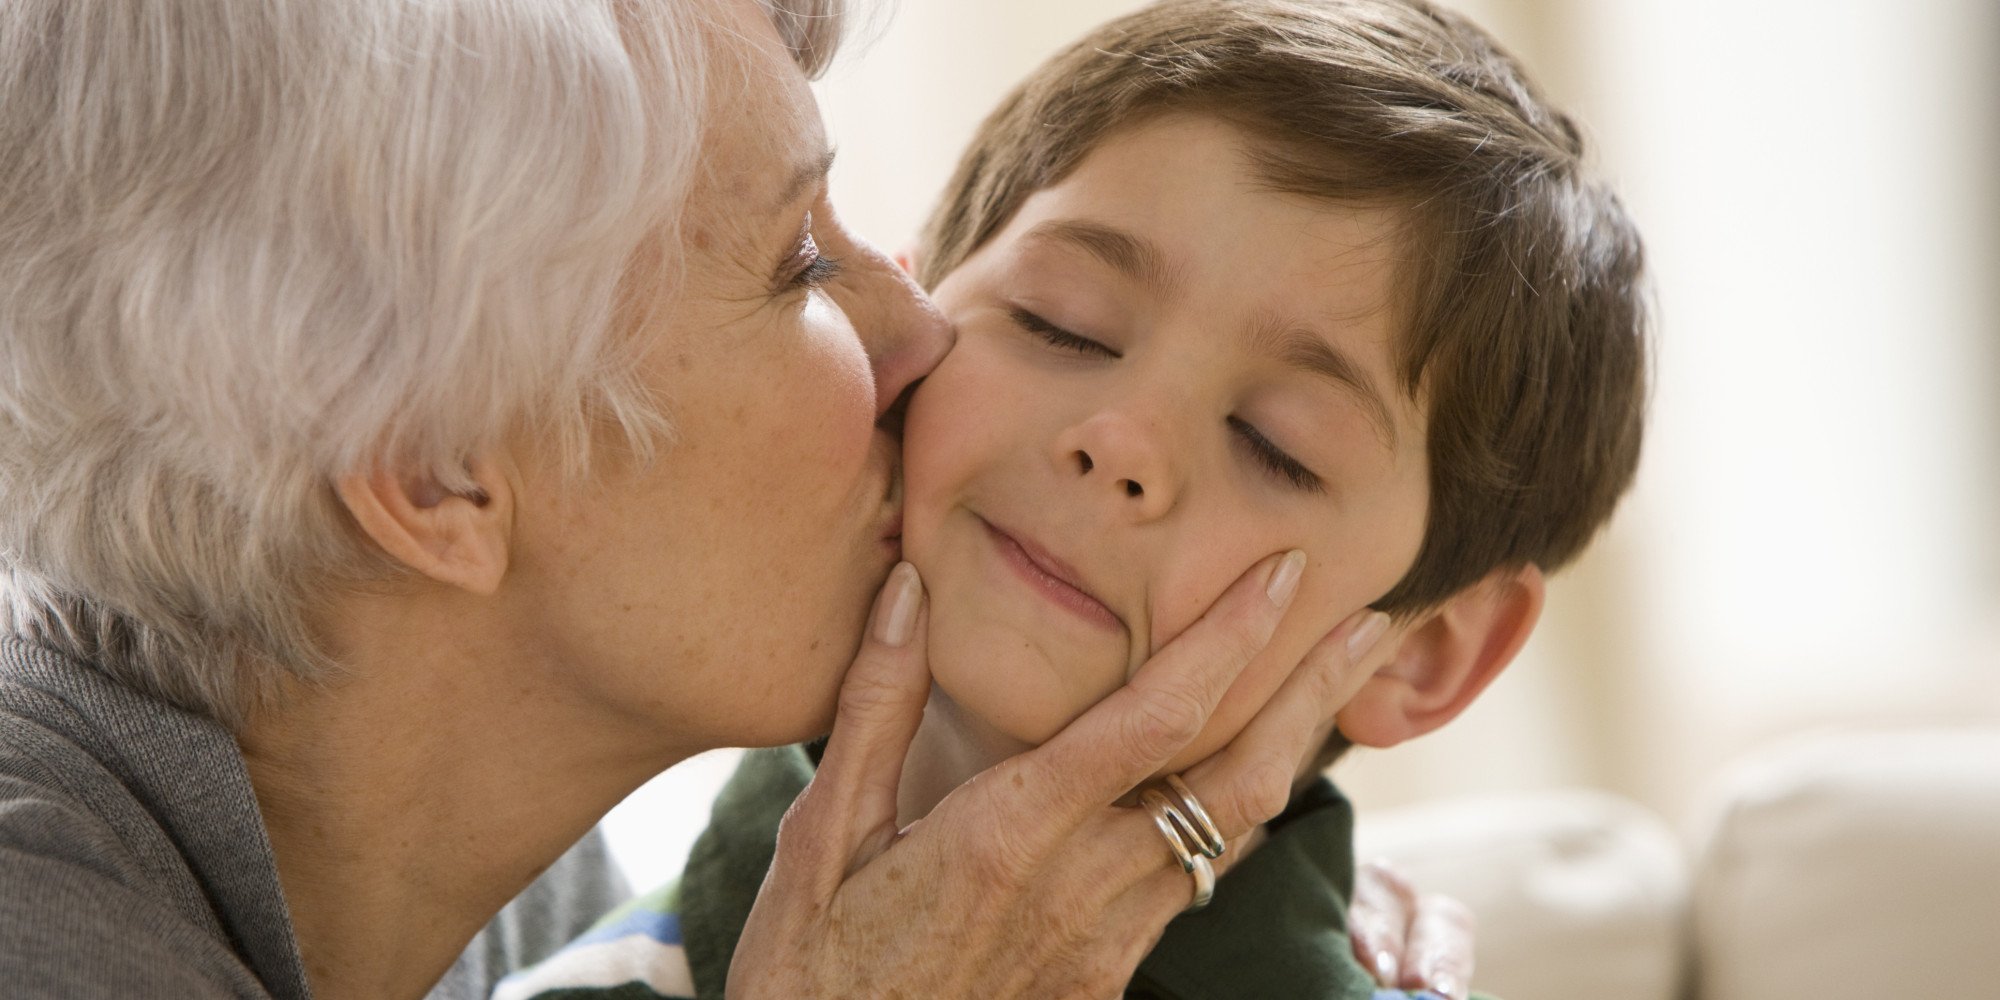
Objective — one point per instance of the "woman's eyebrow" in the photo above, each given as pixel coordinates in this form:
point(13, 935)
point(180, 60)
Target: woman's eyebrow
point(806, 176)
point(1128, 253)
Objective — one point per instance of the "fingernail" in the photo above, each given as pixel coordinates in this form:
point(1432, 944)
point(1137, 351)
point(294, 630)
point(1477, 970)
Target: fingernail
point(1444, 986)
point(1387, 968)
point(896, 608)
point(1366, 635)
point(1285, 579)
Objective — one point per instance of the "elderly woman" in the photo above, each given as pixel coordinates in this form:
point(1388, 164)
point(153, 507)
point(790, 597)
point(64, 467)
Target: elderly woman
point(423, 422)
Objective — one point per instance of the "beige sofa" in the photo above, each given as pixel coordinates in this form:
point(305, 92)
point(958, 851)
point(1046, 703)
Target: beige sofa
point(1836, 867)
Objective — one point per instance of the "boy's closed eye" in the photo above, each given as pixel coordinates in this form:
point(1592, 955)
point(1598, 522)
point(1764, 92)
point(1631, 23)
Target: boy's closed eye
point(1274, 459)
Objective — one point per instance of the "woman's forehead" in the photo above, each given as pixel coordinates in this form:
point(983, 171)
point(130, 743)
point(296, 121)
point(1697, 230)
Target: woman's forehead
point(763, 149)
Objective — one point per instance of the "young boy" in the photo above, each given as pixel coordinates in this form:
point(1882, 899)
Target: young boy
point(1232, 277)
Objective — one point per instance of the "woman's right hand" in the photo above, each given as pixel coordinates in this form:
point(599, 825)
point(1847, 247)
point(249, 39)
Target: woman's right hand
point(1026, 881)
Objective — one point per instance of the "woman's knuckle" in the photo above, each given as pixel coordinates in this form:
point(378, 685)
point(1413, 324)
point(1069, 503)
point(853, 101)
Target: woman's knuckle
point(1448, 910)
point(864, 695)
point(1237, 641)
point(1107, 978)
point(1266, 787)
point(1001, 861)
point(1166, 718)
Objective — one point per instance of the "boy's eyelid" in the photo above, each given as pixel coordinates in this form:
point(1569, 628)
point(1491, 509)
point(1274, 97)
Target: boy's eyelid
point(1059, 336)
point(1276, 458)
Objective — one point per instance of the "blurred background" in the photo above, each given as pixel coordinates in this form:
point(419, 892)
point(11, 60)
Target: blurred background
point(1814, 539)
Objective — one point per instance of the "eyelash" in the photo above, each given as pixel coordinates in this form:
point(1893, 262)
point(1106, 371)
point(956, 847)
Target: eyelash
point(1060, 338)
point(1274, 458)
point(1270, 456)
point(817, 271)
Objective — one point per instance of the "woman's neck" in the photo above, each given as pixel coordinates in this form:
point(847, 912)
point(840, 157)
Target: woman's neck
point(409, 802)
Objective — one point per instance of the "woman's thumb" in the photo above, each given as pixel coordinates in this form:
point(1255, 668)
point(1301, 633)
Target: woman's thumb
point(850, 807)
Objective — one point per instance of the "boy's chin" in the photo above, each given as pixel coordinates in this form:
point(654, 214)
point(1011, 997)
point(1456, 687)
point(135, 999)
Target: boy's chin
point(1019, 702)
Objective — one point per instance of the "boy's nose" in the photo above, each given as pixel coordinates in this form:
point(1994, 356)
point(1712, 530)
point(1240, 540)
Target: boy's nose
point(1122, 460)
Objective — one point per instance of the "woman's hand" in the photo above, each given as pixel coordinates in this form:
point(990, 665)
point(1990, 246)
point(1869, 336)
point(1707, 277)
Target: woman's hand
point(1409, 940)
point(1026, 881)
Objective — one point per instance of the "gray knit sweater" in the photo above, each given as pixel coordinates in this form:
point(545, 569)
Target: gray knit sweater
point(134, 863)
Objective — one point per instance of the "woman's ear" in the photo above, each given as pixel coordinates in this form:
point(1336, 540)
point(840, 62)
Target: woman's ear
point(458, 538)
point(906, 259)
point(1444, 659)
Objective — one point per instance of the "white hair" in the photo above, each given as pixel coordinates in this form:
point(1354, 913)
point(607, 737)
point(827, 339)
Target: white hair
point(247, 248)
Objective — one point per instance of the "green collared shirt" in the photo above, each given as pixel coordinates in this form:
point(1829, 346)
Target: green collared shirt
point(1277, 927)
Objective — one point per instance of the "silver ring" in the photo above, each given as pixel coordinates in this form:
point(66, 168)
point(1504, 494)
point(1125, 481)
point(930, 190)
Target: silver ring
point(1204, 830)
point(1204, 883)
point(1168, 819)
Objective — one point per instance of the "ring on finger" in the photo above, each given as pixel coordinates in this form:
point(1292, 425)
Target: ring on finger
point(1204, 883)
point(1207, 835)
point(1176, 827)
point(1166, 817)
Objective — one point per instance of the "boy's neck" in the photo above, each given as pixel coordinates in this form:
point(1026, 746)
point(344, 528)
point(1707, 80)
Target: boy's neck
point(950, 747)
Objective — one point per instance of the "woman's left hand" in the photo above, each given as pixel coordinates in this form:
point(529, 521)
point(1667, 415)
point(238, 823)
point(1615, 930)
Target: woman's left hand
point(1410, 940)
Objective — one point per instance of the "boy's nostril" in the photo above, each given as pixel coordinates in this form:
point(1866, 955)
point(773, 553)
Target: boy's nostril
point(1083, 461)
point(1133, 489)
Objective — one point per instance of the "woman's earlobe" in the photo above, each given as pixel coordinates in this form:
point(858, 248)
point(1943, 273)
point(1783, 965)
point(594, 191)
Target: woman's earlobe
point(1445, 659)
point(457, 537)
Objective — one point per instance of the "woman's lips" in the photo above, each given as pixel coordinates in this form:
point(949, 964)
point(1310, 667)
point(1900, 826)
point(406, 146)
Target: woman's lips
point(1047, 575)
point(892, 492)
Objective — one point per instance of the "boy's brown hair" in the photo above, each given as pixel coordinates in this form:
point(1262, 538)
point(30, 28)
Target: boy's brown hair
point(1523, 297)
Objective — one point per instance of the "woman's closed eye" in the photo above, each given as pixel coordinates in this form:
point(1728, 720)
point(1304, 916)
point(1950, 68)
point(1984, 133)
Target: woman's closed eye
point(805, 267)
point(1059, 338)
point(1274, 459)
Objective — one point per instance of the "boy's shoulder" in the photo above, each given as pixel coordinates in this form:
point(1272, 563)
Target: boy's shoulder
point(1276, 928)
point(635, 953)
point(677, 941)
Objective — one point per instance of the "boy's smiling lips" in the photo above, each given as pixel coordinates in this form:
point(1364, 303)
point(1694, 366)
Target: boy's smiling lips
point(1052, 577)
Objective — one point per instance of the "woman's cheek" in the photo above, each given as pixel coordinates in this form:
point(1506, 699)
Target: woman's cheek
point(843, 373)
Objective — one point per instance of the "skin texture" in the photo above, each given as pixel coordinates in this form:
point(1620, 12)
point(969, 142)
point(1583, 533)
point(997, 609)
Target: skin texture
point(554, 644)
point(777, 489)
point(557, 643)
point(1107, 418)
point(1139, 471)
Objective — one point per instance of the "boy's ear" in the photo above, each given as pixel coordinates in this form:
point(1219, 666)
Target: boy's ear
point(459, 538)
point(906, 259)
point(1445, 658)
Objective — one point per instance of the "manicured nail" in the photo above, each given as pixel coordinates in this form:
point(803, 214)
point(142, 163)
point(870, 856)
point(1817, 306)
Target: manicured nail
point(1387, 969)
point(1285, 579)
point(1445, 986)
point(896, 608)
point(1366, 635)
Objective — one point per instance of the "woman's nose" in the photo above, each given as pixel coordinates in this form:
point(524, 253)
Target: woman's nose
point(1123, 459)
point(905, 334)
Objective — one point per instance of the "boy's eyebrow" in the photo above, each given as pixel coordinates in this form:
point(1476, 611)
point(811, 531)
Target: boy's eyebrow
point(1300, 348)
point(1304, 350)
point(1129, 254)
